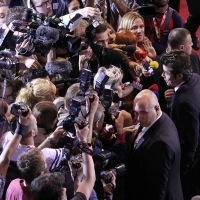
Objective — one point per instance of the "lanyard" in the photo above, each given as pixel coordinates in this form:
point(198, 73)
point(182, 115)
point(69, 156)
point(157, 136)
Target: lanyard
point(157, 29)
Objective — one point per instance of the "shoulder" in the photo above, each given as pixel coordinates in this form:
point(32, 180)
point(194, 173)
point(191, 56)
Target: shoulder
point(53, 157)
point(177, 20)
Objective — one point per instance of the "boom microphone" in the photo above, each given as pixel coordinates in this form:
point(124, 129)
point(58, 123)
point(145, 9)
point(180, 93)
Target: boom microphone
point(47, 34)
point(58, 67)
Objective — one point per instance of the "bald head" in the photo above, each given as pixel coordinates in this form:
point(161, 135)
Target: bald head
point(178, 39)
point(147, 107)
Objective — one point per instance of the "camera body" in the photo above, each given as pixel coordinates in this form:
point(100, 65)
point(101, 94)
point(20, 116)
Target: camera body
point(74, 109)
point(118, 171)
point(7, 60)
point(23, 107)
point(146, 8)
point(76, 161)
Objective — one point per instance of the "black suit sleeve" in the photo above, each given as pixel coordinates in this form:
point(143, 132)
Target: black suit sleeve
point(188, 120)
point(159, 162)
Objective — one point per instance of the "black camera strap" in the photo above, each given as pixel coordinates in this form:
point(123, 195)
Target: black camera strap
point(85, 148)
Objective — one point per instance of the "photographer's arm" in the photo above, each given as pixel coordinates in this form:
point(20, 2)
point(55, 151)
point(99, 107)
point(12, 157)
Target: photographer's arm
point(52, 140)
point(122, 8)
point(85, 12)
point(13, 143)
point(91, 108)
point(87, 184)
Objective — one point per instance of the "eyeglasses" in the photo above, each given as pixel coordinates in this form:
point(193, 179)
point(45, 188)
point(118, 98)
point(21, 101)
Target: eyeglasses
point(44, 4)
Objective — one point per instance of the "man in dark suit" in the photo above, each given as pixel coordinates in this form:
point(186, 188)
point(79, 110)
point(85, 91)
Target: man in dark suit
point(153, 165)
point(185, 112)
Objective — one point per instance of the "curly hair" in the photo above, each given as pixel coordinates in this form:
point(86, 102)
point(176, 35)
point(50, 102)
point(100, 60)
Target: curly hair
point(35, 91)
point(179, 63)
point(127, 20)
point(31, 164)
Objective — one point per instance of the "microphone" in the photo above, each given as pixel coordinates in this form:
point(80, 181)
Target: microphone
point(150, 66)
point(154, 88)
point(58, 67)
point(47, 34)
point(140, 55)
point(130, 49)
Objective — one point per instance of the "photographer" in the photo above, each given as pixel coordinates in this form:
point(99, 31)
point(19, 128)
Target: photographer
point(85, 187)
point(5, 157)
point(102, 56)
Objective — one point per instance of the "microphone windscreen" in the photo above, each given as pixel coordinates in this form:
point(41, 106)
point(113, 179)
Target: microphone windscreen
point(154, 87)
point(140, 55)
point(154, 64)
point(58, 67)
point(47, 34)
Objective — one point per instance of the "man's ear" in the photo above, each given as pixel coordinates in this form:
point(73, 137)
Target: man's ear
point(179, 76)
point(181, 47)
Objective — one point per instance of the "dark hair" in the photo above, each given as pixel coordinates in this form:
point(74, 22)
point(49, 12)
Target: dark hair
point(45, 113)
point(179, 63)
point(91, 31)
point(63, 7)
point(31, 164)
point(48, 186)
point(177, 37)
point(14, 13)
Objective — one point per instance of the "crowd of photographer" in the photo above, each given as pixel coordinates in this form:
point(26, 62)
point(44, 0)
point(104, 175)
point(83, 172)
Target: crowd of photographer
point(82, 99)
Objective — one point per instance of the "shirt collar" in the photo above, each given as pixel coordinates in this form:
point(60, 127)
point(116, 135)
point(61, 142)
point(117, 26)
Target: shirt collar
point(177, 87)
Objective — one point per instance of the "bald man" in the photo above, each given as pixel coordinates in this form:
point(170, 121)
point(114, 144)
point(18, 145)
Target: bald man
point(153, 164)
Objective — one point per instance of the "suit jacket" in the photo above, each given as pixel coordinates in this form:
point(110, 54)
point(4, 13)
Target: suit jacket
point(186, 115)
point(153, 169)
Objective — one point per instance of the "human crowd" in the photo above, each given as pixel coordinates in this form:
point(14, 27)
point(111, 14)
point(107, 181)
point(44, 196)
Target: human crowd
point(99, 100)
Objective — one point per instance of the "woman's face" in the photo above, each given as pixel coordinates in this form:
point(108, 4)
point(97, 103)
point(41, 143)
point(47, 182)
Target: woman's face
point(118, 87)
point(73, 6)
point(111, 36)
point(138, 29)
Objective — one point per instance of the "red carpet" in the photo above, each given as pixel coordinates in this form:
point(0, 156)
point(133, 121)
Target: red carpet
point(184, 15)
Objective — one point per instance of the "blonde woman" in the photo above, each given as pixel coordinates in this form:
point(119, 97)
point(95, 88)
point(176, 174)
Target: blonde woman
point(35, 91)
point(134, 22)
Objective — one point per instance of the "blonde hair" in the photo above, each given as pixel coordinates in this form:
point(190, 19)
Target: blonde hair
point(127, 20)
point(35, 91)
point(115, 74)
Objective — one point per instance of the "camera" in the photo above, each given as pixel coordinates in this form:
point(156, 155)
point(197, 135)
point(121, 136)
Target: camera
point(146, 8)
point(101, 160)
point(107, 98)
point(23, 107)
point(7, 60)
point(76, 161)
point(118, 171)
point(74, 109)
point(100, 83)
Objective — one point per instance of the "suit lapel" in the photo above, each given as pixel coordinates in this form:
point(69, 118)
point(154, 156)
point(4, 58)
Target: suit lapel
point(148, 133)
